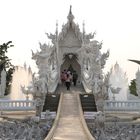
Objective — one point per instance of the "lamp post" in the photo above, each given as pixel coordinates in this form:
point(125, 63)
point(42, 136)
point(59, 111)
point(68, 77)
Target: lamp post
point(27, 90)
point(115, 91)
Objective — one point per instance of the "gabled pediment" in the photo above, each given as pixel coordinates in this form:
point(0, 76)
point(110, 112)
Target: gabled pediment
point(70, 39)
point(70, 32)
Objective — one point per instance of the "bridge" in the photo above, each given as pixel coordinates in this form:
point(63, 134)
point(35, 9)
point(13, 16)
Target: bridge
point(69, 123)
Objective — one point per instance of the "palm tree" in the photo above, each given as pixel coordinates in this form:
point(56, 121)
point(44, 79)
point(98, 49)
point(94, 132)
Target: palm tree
point(136, 61)
point(132, 86)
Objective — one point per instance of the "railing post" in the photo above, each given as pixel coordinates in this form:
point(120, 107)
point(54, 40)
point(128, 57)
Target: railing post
point(7, 105)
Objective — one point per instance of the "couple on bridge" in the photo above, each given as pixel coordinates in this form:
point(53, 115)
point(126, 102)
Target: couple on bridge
point(67, 77)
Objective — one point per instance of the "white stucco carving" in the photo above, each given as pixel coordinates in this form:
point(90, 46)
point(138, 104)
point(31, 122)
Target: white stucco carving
point(83, 49)
point(70, 25)
point(46, 60)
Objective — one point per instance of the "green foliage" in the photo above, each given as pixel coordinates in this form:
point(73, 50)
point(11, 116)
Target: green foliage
point(132, 87)
point(6, 64)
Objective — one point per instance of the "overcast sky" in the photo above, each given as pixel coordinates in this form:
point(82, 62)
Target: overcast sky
point(116, 22)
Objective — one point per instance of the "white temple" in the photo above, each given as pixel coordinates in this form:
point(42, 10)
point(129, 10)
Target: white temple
point(76, 50)
point(73, 49)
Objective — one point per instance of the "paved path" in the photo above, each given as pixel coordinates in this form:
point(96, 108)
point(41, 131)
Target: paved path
point(69, 126)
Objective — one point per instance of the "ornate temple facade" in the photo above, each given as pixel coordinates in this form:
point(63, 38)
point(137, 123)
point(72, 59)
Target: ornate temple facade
point(71, 49)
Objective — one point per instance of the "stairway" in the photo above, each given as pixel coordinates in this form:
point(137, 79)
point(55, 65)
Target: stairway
point(69, 123)
point(51, 102)
point(88, 103)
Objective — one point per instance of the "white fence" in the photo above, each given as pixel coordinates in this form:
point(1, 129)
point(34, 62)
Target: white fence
point(130, 106)
point(26, 105)
point(17, 105)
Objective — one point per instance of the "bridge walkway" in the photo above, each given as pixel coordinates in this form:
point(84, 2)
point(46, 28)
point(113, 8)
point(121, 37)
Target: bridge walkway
point(69, 126)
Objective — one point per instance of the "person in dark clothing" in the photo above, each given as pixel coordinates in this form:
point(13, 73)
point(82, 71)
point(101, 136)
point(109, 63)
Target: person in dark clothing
point(75, 77)
point(62, 78)
point(68, 81)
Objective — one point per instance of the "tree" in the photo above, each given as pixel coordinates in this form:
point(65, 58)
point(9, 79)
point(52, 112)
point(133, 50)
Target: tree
point(132, 87)
point(6, 64)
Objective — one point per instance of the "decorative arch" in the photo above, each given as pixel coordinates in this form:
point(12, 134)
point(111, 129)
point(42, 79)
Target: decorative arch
point(71, 63)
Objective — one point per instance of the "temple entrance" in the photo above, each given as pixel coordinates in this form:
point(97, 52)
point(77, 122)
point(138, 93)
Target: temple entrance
point(71, 64)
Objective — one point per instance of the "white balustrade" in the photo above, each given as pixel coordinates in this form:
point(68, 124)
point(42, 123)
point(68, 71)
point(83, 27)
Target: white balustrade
point(130, 106)
point(17, 105)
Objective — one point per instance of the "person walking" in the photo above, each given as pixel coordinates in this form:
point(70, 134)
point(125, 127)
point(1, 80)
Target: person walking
point(62, 78)
point(68, 81)
point(75, 77)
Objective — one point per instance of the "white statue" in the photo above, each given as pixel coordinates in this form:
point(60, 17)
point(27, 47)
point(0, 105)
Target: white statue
point(47, 62)
point(40, 85)
point(99, 122)
point(52, 37)
point(3, 83)
point(100, 119)
point(104, 58)
point(106, 85)
point(39, 106)
point(96, 84)
point(43, 84)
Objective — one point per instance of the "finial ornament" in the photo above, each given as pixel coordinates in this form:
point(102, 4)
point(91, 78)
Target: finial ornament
point(70, 9)
point(70, 16)
point(56, 27)
point(83, 27)
point(56, 23)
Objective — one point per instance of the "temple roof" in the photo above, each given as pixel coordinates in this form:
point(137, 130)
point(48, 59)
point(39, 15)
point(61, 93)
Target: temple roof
point(70, 24)
point(70, 16)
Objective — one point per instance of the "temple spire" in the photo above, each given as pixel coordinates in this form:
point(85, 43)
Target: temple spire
point(83, 30)
point(70, 16)
point(83, 27)
point(70, 9)
point(56, 32)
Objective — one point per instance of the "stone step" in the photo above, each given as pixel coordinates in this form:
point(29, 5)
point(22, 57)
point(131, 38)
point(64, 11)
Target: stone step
point(51, 102)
